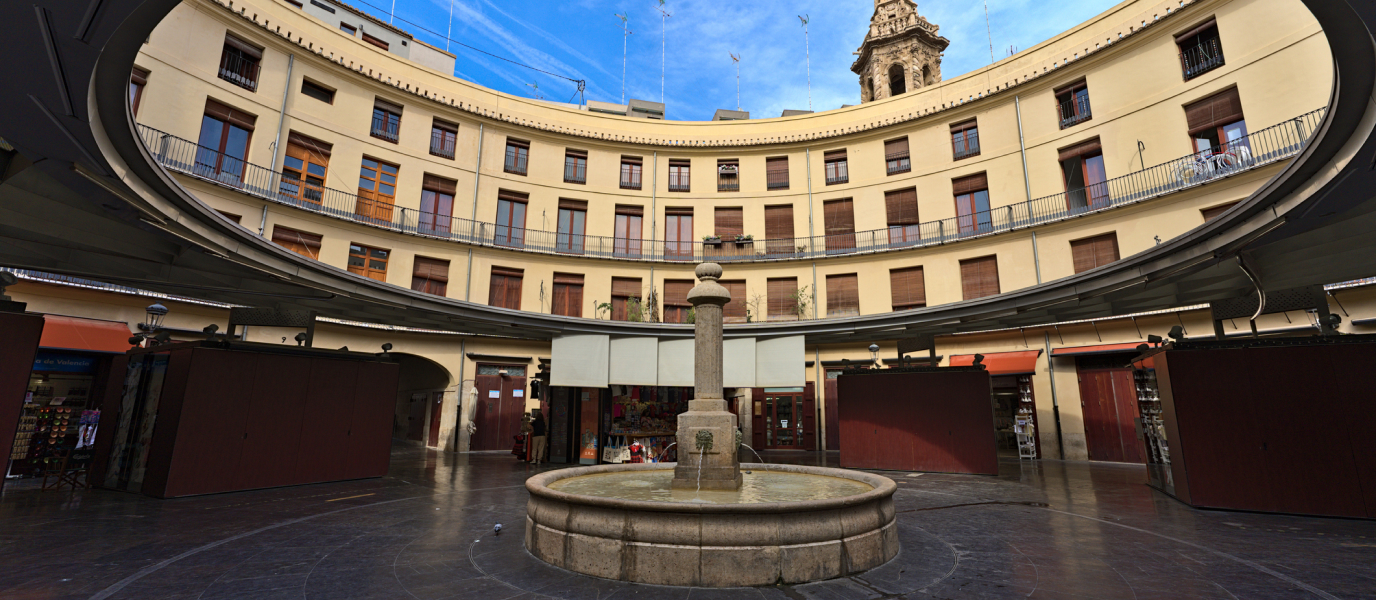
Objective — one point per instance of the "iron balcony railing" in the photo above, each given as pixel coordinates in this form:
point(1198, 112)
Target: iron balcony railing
point(778, 183)
point(728, 184)
point(630, 183)
point(967, 146)
point(515, 161)
point(898, 163)
point(386, 128)
point(1200, 59)
point(1075, 110)
point(442, 144)
point(1261, 147)
point(239, 70)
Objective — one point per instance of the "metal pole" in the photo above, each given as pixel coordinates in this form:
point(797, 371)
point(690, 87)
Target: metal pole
point(654, 189)
point(1036, 262)
point(1022, 148)
point(811, 232)
point(1055, 407)
point(451, 31)
point(807, 47)
point(392, 12)
point(468, 276)
point(477, 173)
point(987, 30)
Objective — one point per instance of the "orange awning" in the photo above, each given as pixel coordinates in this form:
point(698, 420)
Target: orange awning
point(1097, 349)
point(1002, 363)
point(71, 333)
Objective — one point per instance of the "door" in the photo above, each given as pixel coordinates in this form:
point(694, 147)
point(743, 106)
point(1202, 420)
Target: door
point(784, 423)
point(498, 414)
point(833, 411)
point(277, 412)
point(1109, 400)
point(415, 418)
point(436, 409)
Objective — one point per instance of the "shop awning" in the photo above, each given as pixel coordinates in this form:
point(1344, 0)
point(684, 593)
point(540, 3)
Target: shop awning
point(90, 335)
point(1002, 363)
point(1097, 349)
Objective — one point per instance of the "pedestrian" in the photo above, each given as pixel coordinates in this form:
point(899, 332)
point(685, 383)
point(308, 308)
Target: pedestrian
point(521, 448)
point(537, 435)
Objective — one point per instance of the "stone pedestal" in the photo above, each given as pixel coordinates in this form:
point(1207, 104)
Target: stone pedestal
point(707, 443)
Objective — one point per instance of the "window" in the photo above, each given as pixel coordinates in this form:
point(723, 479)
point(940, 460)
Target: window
point(322, 6)
point(776, 172)
point(835, 162)
point(778, 229)
point(317, 91)
point(1216, 126)
point(567, 299)
point(908, 288)
point(728, 175)
point(901, 209)
point(783, 299)
point(1213, 212)
point(678, 176)
point(1200, 49)
point(240, 62)
point(377, 190)
point(838, 217)
point(437, 204)
point(511, 218)
point(223, 143)
point(676, 305)
point(347, 28)
point(386, 120)
point(678, 232)
point(517, 156)
point(573, 216)
point(138, 79)
point(368, 262)
point(972, 204)
point(300, 242)
point(1082, 166)
point(304, 168)
point(896, 158)
point(843, 295)
point(628, 230)
point(626, 304)
point(630, 172)
point(576, 166)
point(1094, 252)
point(430, 276)
point(736, 310)
point(964, 139)
point(230, 216)
point(376, 42)
point(1072, 103)
point(730, 222)
point(979, 277)
point(444, 136)
point(504, 291)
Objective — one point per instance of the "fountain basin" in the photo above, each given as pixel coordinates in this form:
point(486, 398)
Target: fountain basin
point(712, 544)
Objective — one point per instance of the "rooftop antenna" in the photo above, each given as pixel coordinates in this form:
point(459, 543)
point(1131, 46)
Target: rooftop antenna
point(989, 32)
point(392, 12)
point(451, 26)
point(663, 29)
point(536, 87)
point(737, 60)
point(626, 27)
point(807, 47)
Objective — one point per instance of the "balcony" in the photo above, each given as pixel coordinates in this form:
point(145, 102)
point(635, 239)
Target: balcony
point(730, 184)
point(778, 184)
point(238, 70)
point(514, 163)
point(630, 183)
point(572, 175)
point(1201, 59)
point(441, 144)
point(1263, 147)
point(385, 129)
point(678, 186)
point(898, 163)
point(1075, 110)
point(967, 147)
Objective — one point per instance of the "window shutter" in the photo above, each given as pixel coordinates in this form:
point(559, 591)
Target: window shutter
point(964, 126)
point(735, 308)
point(901, 206)
point(631, 160)
point(505, 291)
point(446, 126)
point(896, 147)
point(626, 287)
point(979, 277)
point(225, 113)
point(676, 292)
point(249, 49)
point(511, 196)
point(431, 268)
point(908, 288)
point(311, 144)
point(439, 184)
point(1219, 109)
point(682, 211)
point(517, 143)
point(1194, 31)
point(565, 203)
point(843, 294)
point(779, 297)
point(139, 76)
point(508, 271)
point(778, 222)
point(628, 210)
point(1094, 252)
point(838, 216)
point(576, 153)
point(568, 278)
point(390, 107)
point(834, 155)
point(972, 183)
point(1213, 213)
point(776, 170)
point(730, 221)
point(1086, 148)
point(305, 244)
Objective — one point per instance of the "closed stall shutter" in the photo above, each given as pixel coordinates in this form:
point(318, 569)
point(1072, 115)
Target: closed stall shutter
point(676, 304)
point(305, 244)
point(730, 222)
point(1094, 252)
point(979, 277)
point(1219, 109)
point(839, 219)
point(843, 295)
point(568, 295)
point(735, 309)
point(908, 287)
point(430, 276)
point(505, 290)
point(783, 305)
point(778, 229)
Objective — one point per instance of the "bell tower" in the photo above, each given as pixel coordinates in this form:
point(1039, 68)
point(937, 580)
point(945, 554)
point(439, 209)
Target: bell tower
point(901, 52)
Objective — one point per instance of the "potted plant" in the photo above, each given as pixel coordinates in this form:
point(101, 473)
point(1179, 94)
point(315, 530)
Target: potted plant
point(744, 237)
point(711, 240)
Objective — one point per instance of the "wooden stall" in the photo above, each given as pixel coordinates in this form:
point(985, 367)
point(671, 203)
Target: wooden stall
point(936, 419)
point(22, 331)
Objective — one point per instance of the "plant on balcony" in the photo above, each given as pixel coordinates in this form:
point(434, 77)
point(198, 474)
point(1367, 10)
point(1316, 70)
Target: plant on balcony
point(801, 301)
point(744, 237)
point(711, 239)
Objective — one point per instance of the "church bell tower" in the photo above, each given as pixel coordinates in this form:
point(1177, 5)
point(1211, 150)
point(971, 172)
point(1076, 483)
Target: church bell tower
point(901, 52)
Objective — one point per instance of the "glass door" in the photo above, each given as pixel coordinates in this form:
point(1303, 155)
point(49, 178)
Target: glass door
point(783, 423)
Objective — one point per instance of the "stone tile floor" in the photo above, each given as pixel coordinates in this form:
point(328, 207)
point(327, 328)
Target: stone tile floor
point(1039, 530)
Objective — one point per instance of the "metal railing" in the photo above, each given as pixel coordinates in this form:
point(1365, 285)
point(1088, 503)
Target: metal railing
point(777, 183)
point(239, 70)
point(729, 185)
point(1075, 110)
point(442, 144)
point(1261, 147)
point(630, 183)
point(967, 146)
point(1202, 58)
point(898, 163)
point(516, 161)
point(386, 128)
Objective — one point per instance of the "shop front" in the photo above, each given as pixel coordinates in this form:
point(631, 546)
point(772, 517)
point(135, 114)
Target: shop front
point(1014, 401)
point(598, 425)
point(784, 418)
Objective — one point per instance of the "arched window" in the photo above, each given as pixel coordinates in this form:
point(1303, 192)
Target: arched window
point(927, 75)
point(870, 85)
point(897, 83)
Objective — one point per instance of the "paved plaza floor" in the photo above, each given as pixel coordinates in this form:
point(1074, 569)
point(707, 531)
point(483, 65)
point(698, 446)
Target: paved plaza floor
point(1046, 529)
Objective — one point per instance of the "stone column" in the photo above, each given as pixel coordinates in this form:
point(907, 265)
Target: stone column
point(707, 446)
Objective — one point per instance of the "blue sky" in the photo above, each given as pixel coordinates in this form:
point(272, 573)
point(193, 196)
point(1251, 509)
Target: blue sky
point(582, 39)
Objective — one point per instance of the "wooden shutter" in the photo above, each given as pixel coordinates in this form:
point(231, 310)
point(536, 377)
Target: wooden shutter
point(843, 294)
point(1213, 213)
point(631, 160)
point(682, 211)
point(626, 287)
point(730, 221)
point(1094, 252)
point(834, 155)
point(305, 244)
point(249, 49)
point(1194, 31)
point(440, 185)
point(446, 126)
point(778, 222)
point(780, 297)
point(567, 204)
point(138, 76)
point(676, 292)
point(505, 291)
point(896, 147)
point(583, 154)
point(390, 107)
point(1219, 109)
point(232, 115)
point(908, 288)
point(631, 211)
point(1088, 147)
point(776, 172)
point(433, 269)
point(568, 295)
point(512, 196)
point(964, 126)
point(972, 183)
point(838, 216)
point(979, 277)
point(901, 206)
point(734, 311)
point(311, 144)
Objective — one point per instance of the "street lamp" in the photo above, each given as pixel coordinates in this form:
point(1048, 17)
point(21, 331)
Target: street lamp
point(153, 317)
point(874, 354)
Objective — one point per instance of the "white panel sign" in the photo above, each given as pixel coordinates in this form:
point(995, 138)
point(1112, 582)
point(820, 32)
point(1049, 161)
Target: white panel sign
point(781, 362)
point(676, 362)
point(738, 363)
point(634, 361)
point(579, 361)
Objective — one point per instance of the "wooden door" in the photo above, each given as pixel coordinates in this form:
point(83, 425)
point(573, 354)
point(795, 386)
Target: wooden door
point(757, 418)
point(277, 411)
point(1109, 400)
point(512, 406)
point(487, 414)
point(808, 417)
point(833, 414)
point(436, 409)
point(214, 413)
point(329, 408)
point(415, 417)
point(370, 429)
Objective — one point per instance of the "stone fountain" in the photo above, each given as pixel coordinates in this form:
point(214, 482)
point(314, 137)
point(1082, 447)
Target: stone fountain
point(705, 522)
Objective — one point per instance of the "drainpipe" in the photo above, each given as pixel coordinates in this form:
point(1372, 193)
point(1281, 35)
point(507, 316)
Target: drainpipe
point(477, 174)
point(1055, 407)
point(807, 158)
point(468, 285)
point(1036, 262)
point(1027, 184)
point(277, 141)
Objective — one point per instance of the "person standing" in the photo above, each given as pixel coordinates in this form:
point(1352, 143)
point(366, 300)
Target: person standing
point(538, 439)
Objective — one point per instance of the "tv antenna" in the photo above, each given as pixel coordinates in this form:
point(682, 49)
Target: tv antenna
point(663, 44)
point(807, 47)
point(626, 27)
point(737, 60)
